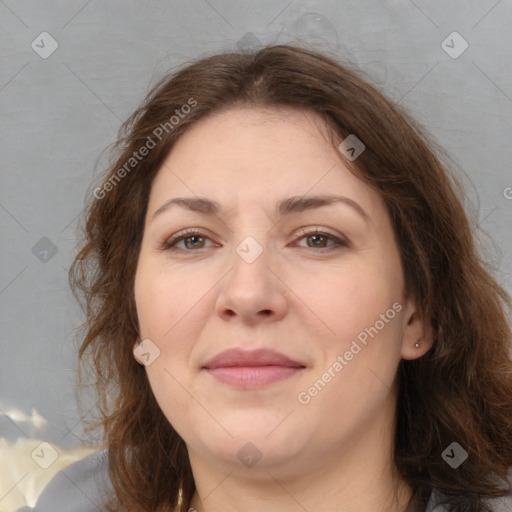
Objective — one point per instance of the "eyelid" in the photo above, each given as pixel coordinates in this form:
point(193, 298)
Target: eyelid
point(308, 230)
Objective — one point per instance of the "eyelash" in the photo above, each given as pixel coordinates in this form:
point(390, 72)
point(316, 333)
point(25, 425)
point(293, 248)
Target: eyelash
point(170, 243)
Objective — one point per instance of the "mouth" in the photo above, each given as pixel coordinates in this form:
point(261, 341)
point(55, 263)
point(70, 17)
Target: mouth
point(252, 369)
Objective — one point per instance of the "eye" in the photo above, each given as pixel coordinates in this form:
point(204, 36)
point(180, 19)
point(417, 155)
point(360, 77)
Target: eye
point(320, 238)
point(195, 239)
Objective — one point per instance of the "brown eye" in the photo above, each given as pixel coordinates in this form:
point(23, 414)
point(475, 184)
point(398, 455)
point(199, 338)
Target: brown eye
point(319, 239)
point(192, 239)
point(195, 241)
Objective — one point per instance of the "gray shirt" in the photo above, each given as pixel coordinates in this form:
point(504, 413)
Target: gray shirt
point(81, 487)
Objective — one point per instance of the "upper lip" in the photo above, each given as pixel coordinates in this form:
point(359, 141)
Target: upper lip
point(260, 357)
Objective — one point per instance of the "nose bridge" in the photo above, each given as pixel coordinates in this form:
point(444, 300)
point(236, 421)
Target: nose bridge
point(253, 236)
point(251, 261)
point(251, 287)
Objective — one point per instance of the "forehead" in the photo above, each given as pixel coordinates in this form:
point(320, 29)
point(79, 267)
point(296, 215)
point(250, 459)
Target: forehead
point(248, 155)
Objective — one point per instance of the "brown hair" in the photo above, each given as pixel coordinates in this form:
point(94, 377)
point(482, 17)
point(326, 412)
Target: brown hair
point(460, 390)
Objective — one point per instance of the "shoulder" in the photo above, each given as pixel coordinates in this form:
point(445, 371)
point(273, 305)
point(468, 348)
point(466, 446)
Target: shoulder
point(80, 487)
point(503, 504)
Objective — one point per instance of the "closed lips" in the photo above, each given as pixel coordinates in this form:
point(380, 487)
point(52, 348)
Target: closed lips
point(254, 358)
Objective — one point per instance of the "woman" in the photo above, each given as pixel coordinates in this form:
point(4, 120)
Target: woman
point(285, 306)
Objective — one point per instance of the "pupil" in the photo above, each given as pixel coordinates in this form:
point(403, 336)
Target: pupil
point(191, 238)
point(317, 237)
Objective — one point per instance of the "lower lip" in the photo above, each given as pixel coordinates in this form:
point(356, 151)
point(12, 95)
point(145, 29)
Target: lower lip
point(247, 377)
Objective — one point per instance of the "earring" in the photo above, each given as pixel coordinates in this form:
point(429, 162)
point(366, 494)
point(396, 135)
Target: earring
point(418, 343)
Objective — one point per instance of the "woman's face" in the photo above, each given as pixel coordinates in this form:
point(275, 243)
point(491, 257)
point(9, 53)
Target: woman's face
point(258, 277)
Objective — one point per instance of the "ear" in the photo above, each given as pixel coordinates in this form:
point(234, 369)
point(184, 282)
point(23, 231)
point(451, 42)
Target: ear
point(417, 330)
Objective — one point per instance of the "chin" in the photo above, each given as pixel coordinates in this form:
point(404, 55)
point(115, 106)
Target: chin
point(256, 441)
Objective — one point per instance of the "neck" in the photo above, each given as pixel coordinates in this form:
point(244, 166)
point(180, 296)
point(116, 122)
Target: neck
point(231, 494)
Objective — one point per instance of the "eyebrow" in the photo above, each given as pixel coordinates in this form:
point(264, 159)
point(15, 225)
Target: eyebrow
point(294, 204)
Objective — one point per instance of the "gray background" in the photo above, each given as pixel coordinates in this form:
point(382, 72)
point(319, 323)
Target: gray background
point(58, 114)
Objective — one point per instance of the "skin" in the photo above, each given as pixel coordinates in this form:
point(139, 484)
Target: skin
point(304, 297)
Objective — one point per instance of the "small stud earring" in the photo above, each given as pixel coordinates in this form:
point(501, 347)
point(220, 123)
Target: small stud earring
point(417, 344)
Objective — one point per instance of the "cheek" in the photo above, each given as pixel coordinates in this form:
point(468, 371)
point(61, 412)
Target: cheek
point(164, 297)
point(361, 312)
point(344, 300)
point(359, 307)
point(168, 301)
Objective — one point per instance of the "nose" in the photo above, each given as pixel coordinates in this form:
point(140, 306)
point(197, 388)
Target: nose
point(254, 292)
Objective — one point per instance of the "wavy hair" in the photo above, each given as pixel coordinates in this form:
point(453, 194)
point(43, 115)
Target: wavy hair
point(460, 390)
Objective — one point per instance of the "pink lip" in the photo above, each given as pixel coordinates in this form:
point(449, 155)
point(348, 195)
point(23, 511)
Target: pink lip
point(251, 369)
